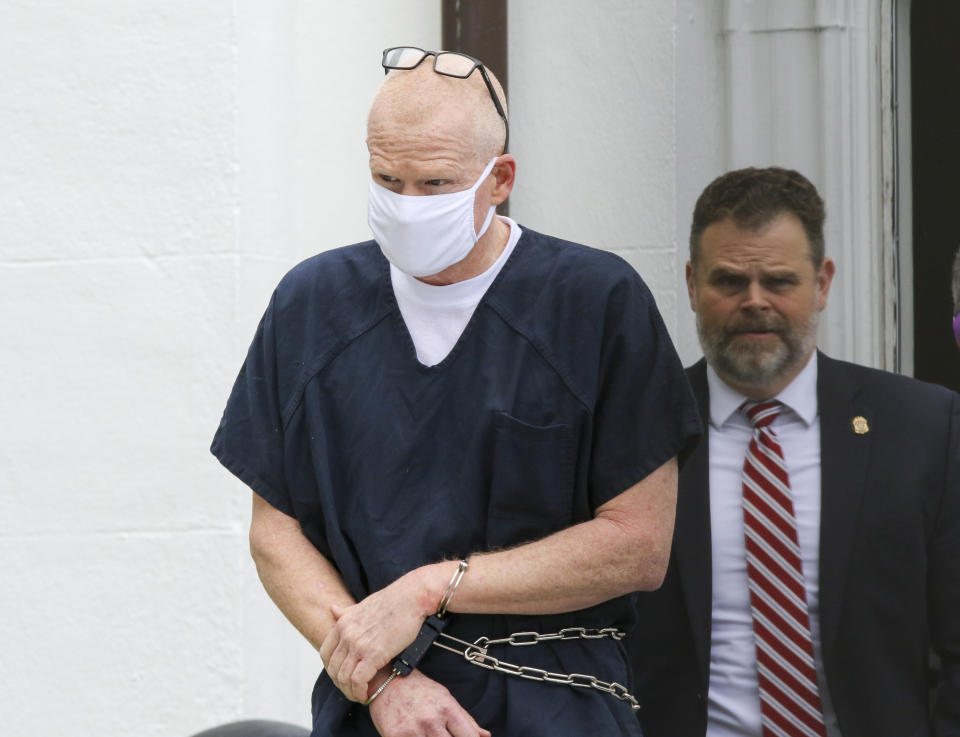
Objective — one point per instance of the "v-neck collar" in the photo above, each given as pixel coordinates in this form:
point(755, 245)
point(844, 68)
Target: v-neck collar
point(498, 271)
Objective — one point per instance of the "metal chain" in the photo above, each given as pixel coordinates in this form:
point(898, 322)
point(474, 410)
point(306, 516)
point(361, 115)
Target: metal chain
point(475, 653)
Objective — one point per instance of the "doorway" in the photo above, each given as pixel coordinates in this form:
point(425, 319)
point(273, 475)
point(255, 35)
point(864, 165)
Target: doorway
point(935, 112)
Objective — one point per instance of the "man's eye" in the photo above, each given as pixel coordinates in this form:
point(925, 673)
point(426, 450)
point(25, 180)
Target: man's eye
point(778, 282)
point(387, 178)
point(436, 182)
point(729, 281)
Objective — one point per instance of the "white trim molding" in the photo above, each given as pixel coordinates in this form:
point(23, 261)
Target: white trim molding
point(808, 86)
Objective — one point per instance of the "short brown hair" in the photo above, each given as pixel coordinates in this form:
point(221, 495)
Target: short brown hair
point(754, 197)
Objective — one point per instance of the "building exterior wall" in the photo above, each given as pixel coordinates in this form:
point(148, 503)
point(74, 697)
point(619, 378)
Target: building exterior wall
point(120, 559)
point(165, 162)
point(593, 128)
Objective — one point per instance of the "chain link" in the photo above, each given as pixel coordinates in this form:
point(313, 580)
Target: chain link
point(476, 654)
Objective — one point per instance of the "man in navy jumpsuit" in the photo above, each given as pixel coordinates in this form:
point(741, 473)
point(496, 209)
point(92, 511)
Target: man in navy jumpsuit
point(460, 387)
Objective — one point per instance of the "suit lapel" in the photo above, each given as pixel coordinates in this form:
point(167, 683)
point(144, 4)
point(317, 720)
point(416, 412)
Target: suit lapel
point(692, 539)
point(843, 466)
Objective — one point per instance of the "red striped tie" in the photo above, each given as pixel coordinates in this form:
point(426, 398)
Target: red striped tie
point(789, 697)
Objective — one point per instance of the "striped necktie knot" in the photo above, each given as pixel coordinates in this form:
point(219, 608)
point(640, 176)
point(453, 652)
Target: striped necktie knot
point(762, 414)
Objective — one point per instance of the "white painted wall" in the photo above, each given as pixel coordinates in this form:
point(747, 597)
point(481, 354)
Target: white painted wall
point(119, 558)
point(163, 163)
point(593, 127)
point(701, 132)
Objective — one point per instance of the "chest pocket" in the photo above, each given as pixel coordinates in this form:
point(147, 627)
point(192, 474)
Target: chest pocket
point(532, 479)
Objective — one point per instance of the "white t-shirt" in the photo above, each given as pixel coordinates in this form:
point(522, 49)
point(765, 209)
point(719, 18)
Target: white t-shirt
point(437, 315)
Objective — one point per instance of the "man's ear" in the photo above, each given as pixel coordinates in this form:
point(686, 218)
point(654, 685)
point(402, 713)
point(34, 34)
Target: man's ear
point(824, 279)
point(691, 287)
point(505, 172)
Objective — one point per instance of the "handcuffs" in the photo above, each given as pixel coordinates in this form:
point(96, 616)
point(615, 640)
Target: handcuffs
point(406, 661)
point(476, 653)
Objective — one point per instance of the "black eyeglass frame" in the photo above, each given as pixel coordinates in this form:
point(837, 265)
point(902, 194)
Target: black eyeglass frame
point(477, 64)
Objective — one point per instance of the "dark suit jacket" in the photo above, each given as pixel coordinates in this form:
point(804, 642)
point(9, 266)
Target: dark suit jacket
point(889, 565)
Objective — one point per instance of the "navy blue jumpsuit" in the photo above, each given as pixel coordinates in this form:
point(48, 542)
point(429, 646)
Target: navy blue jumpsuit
point(563, 391)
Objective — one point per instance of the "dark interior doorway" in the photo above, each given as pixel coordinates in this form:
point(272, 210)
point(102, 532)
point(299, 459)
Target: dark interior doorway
point(935, 114)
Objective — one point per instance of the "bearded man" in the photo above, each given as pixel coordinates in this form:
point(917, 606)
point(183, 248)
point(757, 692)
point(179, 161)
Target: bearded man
point(460, 387)
point(816, 554)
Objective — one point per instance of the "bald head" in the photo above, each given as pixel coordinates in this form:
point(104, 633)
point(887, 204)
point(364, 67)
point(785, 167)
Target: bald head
point(430, 104)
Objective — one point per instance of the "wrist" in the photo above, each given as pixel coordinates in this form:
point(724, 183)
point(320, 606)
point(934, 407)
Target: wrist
point(452, 587)
point(434, 581)
point(429, 582)
point(379, 683)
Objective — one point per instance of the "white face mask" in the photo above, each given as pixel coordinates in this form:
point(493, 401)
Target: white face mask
point(423, 235)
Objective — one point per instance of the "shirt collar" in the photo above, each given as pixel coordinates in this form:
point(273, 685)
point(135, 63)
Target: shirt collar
point(800, 395)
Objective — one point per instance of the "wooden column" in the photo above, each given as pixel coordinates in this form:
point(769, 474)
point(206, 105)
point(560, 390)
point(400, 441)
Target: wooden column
point(478, 28)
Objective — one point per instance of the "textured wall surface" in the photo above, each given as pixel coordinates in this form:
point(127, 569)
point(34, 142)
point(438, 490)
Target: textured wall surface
point(700, 135)
point(121, 563)
point(163, 163)
point(593, 128)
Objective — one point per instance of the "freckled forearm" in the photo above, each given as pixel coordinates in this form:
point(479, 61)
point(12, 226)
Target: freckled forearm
point(573, 569)
point(624, 549)
point(301, 582)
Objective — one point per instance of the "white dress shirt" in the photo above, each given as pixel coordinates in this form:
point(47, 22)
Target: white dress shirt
point(733, 700)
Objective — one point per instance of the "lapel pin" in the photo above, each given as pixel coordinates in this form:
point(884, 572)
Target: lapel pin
point(860, 426)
